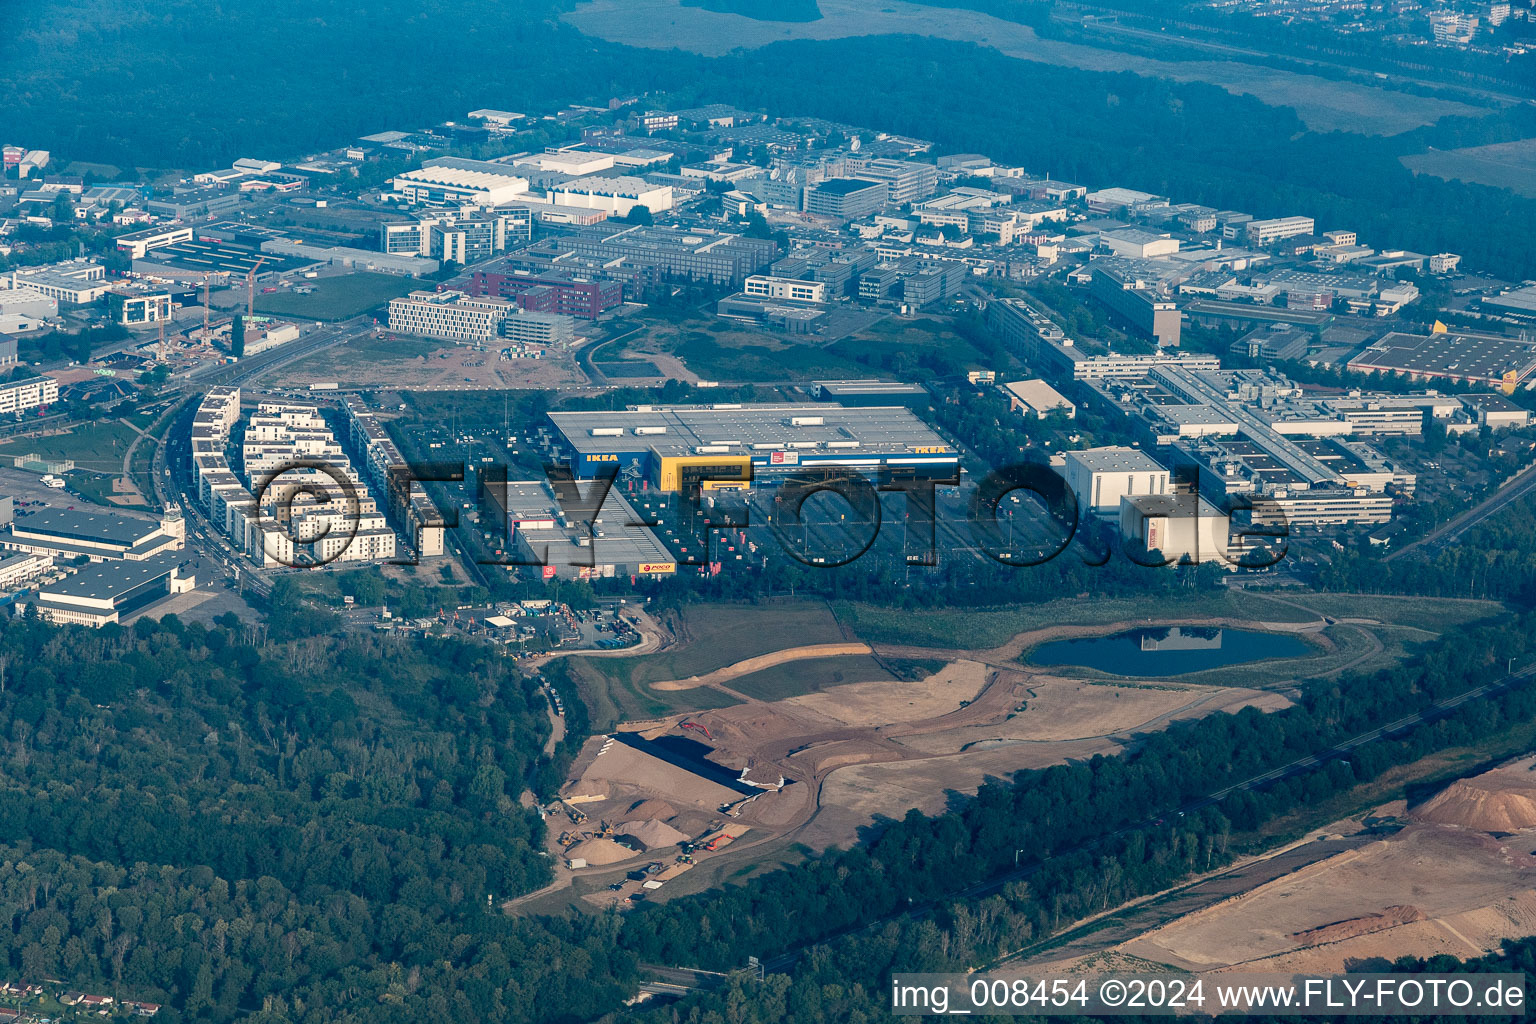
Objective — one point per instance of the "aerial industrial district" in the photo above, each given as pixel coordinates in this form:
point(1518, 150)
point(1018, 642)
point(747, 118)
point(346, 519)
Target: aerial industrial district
point(592, 359)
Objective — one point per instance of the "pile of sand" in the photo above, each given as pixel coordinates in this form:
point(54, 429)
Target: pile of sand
point(652, 810)
point(599, 850)
point(651, 834)
point(1497, 801)
point(1391, 917)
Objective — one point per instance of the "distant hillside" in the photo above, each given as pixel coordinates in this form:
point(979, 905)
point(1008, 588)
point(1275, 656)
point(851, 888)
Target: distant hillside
point(762, 10)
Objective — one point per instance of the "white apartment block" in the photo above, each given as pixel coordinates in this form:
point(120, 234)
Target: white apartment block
point(20, 395)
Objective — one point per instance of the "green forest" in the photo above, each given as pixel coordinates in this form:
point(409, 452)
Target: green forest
point(316, 76)
point(314, 829)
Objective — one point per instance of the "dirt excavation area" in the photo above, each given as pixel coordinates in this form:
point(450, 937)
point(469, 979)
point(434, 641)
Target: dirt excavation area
point(653, 800)
point(764, 661)
point(1458, 877)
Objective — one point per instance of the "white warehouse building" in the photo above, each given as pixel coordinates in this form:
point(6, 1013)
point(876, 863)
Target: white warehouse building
point(617, 196)
point(1100, 477)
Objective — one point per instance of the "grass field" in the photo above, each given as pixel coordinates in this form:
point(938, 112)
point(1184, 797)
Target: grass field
point(629, 368)
point(718, 349)
point(980, 628)
point(98, 447)
point(96, 487)
point(1510, 165)
point(612, 695)
point(716, 636)
point(337, 298)
point(811, 676)
point(899, 342)
point(333, 363)
point(1432, 613)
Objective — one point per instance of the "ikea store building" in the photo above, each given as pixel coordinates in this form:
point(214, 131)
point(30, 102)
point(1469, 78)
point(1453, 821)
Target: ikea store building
point(721, 446)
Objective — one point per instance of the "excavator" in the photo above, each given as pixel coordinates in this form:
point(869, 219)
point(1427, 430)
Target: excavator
point(699, 727)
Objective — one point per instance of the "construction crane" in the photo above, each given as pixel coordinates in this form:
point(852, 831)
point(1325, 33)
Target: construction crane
point(698, 727)
point(207, 288)
point(250, 287)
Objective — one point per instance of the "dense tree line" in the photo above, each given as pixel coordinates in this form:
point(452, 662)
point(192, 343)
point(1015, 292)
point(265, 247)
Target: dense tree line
point(1494, 559)
point(223, 822)
point(316, 64)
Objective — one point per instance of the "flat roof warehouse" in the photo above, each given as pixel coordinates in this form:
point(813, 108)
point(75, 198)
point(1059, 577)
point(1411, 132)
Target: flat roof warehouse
point(680, 430)
point(658, 440)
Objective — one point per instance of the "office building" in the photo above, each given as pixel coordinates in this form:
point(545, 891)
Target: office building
point(672, 447)
point(137, 243)
point(768, 287)
point(450, 315)
point(846, 198)
point(1266, 232)
point(1038, 340)
point(135, 309)
point(542, 293)
point(470, 240)
point(1138, 307)
point(666, 252)
point(906, 181)
point(76, 282)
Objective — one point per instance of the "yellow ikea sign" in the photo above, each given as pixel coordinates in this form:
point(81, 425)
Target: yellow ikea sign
point(936, 449)
point(602, 458)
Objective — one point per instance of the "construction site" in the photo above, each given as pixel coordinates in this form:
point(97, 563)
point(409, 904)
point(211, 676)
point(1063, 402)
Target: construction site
point(1452, 874)
point(654, 799)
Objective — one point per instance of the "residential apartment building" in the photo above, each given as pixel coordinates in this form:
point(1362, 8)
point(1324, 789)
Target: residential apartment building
point(28, 393)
